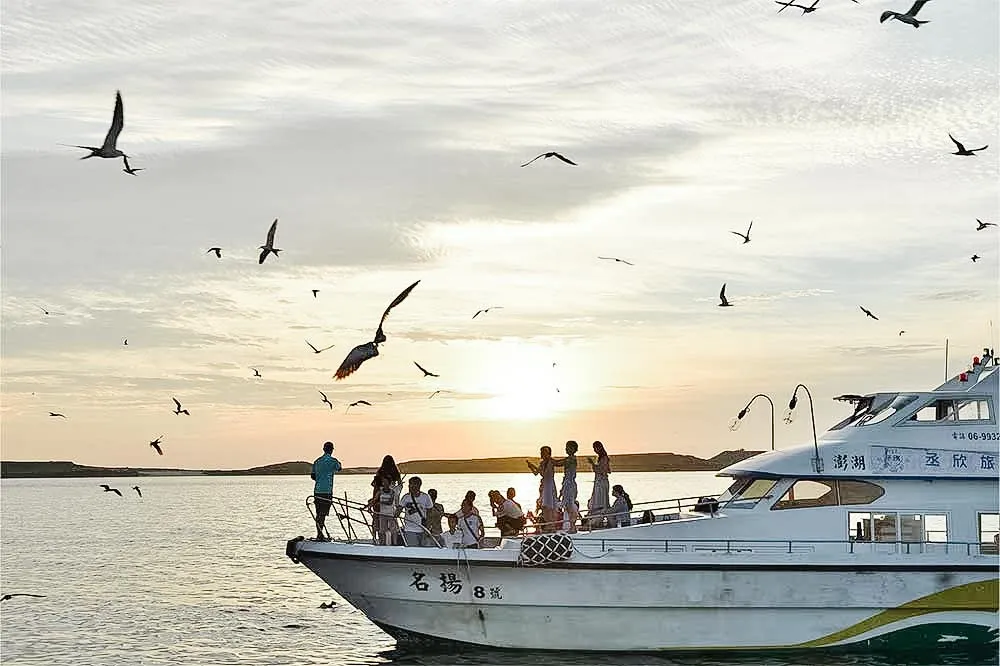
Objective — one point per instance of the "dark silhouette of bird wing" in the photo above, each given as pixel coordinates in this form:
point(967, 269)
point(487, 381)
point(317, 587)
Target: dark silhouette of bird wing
point(722, 294)
point(311, 347)
point(136, 489)
point(478, 312)
point(743, 236)
point(379, 335)
point(117, 123)
point(157, 448)
point(427, 373)
point(118, 492)
point(106, 487)
point(263, 255)
point(177, 402)
point(956, 141)
point(21, 594)
point(355, 358)
point(270, 233)
point(916, 8)
point(363, 402)
point(565, 159)
point(533, 159)
point(57, 414)
point(868, 313)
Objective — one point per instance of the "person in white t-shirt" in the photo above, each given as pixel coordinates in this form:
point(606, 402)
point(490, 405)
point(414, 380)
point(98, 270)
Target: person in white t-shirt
point(415, 505)
point(470, 525)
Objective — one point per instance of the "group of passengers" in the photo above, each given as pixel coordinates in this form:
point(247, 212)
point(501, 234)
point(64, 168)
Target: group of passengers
point(422, 515)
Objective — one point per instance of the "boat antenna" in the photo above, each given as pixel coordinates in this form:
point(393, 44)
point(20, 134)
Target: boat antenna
point(946, 359)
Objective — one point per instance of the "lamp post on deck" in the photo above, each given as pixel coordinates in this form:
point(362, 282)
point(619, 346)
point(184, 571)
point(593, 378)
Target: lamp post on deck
point(746, 410)
point(817, 461)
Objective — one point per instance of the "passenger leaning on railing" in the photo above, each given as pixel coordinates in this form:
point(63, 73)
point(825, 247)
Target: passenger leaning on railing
point(322, 473)
point(415, 506)
point(384, 503)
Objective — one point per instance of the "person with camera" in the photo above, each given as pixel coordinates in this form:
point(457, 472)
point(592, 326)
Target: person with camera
point(415, 505)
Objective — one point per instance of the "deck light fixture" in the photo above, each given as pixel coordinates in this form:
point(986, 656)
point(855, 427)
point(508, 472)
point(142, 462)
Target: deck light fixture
point(817, 461)
point(746, 410)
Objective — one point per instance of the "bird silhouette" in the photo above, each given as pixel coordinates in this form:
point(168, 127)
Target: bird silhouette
point(109, 148)
point(109, 489)
point(368, 350)
point(216, 250)
point(48, 312)
point(156, 444)
point(746, 236)
point(178, 409)
point(62, 416)
point(901, 333)
point(549, 154)
point(326, 400)
point(868, 312)
point(20, 594)
point(356, 403)
point(485, 310)
point(723, 301)
point(909, 17)
point(317, 351)
point(617, 260)
point(125, 342)
point(128, 168)
point(805, 10)
point(315, 291)
point(433, 394)
point(268, 247)
point(427, 373)
point(256, 372)
point(962, 150)
point(983, 225)
point(975, 258)
point(136, 489)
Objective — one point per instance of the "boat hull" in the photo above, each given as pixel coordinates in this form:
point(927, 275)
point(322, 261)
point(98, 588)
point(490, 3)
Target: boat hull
point(613, 604)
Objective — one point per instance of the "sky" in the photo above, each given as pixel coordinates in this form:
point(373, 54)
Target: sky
point(387, 141)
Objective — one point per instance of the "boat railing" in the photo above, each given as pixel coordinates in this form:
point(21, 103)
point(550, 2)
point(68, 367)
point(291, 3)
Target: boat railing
point(783, 546)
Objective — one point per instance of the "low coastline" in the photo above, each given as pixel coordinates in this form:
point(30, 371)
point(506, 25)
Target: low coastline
point(632, 462)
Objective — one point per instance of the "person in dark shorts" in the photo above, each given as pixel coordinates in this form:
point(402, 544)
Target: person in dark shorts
point(323, 470)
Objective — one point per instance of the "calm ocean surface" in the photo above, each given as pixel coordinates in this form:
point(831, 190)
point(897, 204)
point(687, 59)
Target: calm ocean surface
point(194, 572)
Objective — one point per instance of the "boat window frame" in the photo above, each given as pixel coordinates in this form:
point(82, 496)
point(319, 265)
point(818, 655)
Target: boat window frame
point(868, 526)
point(990, 547)
point(838, 494)
point(737, 499)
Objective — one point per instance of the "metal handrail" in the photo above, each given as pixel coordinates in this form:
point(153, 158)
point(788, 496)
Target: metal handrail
point(972, 548)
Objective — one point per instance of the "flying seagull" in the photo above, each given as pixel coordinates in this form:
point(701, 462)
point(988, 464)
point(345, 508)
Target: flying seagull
point(616, 259)
point(746, 236)
point(975, 258)
point(57, 414)
point(125, 342)
point(962, 150)
point(269, 246)
point(868, 312)
point(21, 594)
point(805, 10)
point(983, 225)
point(128, 169)
point(901, 333)
point(48, 312)
point(216, 250)
point(909, 17)
point(117, 123)
point(368, 350)
point(156, 444)
point(315, 291)
point(178, 410)
point(317, 351)
point(548, 155)
point(427, 373)
point(326, 400)
point(136, 489)
point(109, 489)
point(356, 403)
point(433, 394)
point(723, 301)
point(485, 310)
point(256, 372)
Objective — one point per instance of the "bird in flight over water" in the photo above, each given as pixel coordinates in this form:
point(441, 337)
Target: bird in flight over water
point(723, 301)
point(368, 350)
point(256, 372)
point(805, 10)
point(617, 260)
point(268, 247)
point(156, 444)
point(326, 401)
point(983, 225)
point(356, 403)
point(909, 17)
point(48, 312)
point(901, 333)
point(136, 489)
point(21, 594)
point(485, 310)
point(868, 313)
point(962, 150)
point(746, 236)
point(125, 342)
point(549, 154)
point(216, 250)
point(128, 168)
point(317, 351)
point(315, 291)
point(178, 409)
point(427, 373)
point(109, 149)
point(975, 258)
point(109, 489)
point(57, 414)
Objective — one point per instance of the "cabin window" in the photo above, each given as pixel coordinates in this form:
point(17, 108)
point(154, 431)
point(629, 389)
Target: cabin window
point(810, 493)
point(884, 526)
point(859, 526)
point(807, 493)
point(936, 528)
point(910, 527)
point(745, 493)
point(976, 409)
point(989, 528)
point(937, 411)
point(888, 411)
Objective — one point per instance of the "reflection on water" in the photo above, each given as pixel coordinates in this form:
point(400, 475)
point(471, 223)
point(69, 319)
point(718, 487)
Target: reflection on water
point(194, 572)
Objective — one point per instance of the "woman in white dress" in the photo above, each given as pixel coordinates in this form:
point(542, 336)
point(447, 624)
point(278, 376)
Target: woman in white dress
point(600, 500)
point(546, 488)
point(568, 495)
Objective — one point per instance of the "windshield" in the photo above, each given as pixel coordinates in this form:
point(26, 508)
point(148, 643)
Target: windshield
point(873, 409)
point(886, 411)
point(745, 492)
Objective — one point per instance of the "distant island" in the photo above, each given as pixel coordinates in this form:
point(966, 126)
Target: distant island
point(629, 462)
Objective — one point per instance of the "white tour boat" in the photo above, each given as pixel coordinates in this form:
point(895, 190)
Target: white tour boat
point(881, 534)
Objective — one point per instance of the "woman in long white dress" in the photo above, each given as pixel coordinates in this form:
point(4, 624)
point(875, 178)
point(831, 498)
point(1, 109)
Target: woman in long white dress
point(600, 500)
point(568, 495)
point(546, 488)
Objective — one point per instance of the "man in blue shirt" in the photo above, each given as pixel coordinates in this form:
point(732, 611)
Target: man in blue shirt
point(323, 470)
